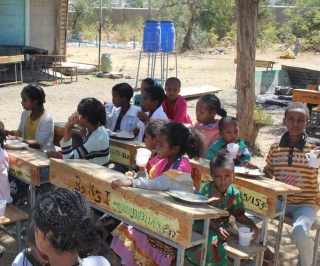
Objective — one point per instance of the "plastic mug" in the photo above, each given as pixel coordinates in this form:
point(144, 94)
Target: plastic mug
point(142, 157)
point(3, 204)
point(245, 236)
point(233, 150)
point(109, 107)
point(312, 158)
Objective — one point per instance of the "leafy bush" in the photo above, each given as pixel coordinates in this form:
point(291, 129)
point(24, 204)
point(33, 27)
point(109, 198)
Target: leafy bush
point(267, 36)
point(261, 117)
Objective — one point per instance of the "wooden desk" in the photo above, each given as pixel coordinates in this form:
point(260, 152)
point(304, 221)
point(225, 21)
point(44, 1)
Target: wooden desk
point(15, 59)
point(122, 152)
point(14, 215)
point(153, 212)
point(30, 166)
point(259, 194)
point(261, 63)
point(192, 92)
point(306, 96)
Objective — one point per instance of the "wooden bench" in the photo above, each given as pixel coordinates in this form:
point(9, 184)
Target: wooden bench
point(262, 63)
point(4, 69)
point(197, 91)
point(14, 215)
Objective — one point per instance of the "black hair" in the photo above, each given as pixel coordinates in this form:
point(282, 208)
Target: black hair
point(2, 134)
point(63, 216)
point(213, 103)
point(155, 93)
point(123, 90)
point(226, 119)
point(297, 105)
point(93, 110)
point(35, 93)
point(149, 81)
point(173, 80)
point(77, 140)
point(154, 126)
point(222, 159)
point(191, 142)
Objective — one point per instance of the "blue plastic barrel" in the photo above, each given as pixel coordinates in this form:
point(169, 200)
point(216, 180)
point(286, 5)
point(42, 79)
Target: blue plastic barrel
point(152, 36)
point(167, 36)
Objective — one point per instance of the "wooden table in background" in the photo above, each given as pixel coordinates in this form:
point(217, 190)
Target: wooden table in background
point(30, 166)
point(153, 212)
point(306, 96)
point(14, 59)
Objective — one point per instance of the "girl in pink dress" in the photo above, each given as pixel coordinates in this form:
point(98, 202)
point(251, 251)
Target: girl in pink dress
point(174, 105)
point(174, 140)
point(208, 106)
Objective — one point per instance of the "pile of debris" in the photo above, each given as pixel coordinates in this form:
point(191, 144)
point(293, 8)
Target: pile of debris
point(282, 97)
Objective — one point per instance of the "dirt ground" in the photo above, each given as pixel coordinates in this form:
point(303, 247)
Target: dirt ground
point(194, 69)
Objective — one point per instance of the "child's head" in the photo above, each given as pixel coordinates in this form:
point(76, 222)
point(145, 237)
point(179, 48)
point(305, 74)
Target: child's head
point(152, 98)
point(296, 118)
point(31, 243)
point(148, 82)
point(62, 221)
point(222, 171)
point(208, 106)
point(229, 129)
point(175, 139)
point(172, 88)
point(92, 110)
point(77, 140)
point(121, 94)
point(32, 94)
point(151, 132)
point(2, 134)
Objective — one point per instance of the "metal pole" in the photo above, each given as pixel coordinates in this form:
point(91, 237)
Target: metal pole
point(149, 9)
point(100, 28)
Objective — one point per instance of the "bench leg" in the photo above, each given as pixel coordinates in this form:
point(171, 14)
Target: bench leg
point(18, 236)
point(180, 257)
point(316, 247)
point(236, 261)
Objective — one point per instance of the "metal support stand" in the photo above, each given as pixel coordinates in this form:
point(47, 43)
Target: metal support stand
point(164, 65)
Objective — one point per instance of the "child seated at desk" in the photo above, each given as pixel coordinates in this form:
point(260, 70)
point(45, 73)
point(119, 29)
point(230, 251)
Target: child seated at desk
point(230, 199)
point(174, 105)
point(148, 82)
point(287, 163)
point(124, 116)
point(229, 132)
point(208, 106)
point(4, 167)
point(151, 108)
point(77, 141)
point(171, 171)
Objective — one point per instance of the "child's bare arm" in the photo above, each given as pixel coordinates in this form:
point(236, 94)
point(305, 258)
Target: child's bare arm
point(247, 221)
point(221, 232)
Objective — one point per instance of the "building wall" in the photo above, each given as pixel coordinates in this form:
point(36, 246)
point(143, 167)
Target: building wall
point(12, 22)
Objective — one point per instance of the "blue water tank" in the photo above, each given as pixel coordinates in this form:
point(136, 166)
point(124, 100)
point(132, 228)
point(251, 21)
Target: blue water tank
point(152, 36)
point(167, 36)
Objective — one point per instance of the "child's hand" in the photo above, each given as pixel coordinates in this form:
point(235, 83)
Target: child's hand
point(52, 154)
point(223, 234)
point(116, 184)
point(143, 117)
point(72, 120)
point(248, 164)
point(255, 230)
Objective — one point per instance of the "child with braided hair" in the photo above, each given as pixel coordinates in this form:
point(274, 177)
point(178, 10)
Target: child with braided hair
point(63, 228)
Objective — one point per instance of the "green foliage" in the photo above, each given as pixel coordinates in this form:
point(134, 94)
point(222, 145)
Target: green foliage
point(90, 32)
point(267, 36)
point(134, 3)
point(231, 36)
point(125, 32)
point(261, 117)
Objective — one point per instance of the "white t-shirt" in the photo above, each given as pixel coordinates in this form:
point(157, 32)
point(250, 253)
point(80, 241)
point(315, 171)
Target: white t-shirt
point(4, 182)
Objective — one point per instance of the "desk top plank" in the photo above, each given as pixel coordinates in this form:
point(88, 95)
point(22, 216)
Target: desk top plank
point(12, 215)
point(154, 210)
point(196, 91)
point(28, 155)
point(306, 96)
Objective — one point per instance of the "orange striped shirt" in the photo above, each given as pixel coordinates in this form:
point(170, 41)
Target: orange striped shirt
point(290, 165)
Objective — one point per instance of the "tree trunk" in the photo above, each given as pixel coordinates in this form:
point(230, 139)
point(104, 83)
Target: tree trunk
point(187, 39)
point(247, 14)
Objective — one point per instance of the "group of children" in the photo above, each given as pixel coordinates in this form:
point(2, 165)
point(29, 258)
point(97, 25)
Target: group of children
point(163, 124)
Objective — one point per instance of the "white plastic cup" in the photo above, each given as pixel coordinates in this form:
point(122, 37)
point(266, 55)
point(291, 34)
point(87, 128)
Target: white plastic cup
point(245, 236)
point(142, 157)
point(312, 157)
point(109, 107)
point(233, 150)
point(3, 204)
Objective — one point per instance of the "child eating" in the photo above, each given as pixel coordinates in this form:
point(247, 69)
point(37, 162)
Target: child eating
point(148, 82)
point(222, 172)
point(229, 132)
point(208, 106)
